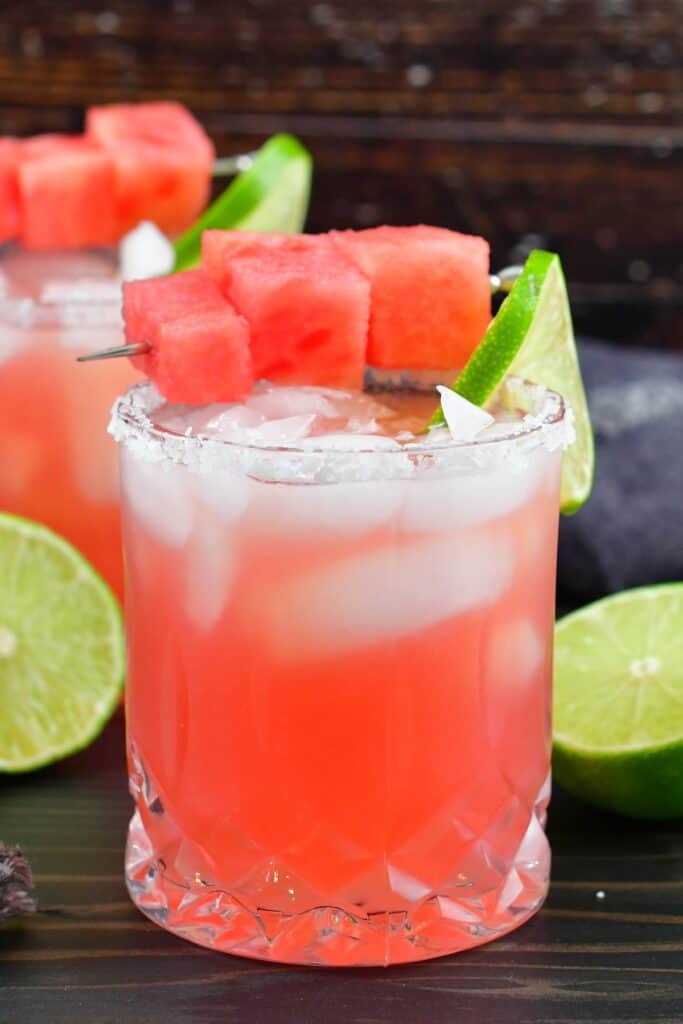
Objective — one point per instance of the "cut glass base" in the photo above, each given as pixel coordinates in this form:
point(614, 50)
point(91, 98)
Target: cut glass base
point(272, 915)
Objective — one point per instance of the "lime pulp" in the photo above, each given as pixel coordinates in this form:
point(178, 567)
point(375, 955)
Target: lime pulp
point(62, 650)
point(618, 706)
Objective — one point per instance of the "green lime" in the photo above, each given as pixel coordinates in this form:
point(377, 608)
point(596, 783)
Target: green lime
point(619, 702)
point(531, 336)
point(271, 196)
point(62, 651)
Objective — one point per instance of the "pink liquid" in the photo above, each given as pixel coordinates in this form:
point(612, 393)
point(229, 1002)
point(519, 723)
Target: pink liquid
point(59, 466)
point(339, 713)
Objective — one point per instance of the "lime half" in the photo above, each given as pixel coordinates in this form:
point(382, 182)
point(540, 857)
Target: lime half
point(618, 734)
point(62, 652)
point(532, 337)
point(271, 196)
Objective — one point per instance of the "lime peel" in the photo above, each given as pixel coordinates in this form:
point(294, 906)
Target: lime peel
point(272, 195)
point(531, 336)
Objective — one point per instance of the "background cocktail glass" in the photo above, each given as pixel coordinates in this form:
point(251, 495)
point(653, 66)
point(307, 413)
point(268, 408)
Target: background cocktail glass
point(60, 467)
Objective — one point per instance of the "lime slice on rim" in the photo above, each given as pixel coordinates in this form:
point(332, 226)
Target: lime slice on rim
point(62, 652)
point(271, 196)
point(618, 710)
point(531, 336)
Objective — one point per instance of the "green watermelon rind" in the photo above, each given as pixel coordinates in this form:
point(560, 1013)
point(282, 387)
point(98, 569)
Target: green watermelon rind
point(245, 193)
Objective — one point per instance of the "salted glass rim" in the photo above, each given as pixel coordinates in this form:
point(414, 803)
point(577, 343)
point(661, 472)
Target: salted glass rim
point(547, 424)
point(63, 302)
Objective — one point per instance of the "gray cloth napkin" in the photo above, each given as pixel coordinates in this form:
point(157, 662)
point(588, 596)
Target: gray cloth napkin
point(631, 530)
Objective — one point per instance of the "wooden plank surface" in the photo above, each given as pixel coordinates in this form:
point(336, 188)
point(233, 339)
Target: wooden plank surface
point(557, 122)
point(89, 957)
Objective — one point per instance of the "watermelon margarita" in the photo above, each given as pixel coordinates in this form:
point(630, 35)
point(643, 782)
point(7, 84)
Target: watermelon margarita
point(338, 695)
point(59, 465)
point(65, 201)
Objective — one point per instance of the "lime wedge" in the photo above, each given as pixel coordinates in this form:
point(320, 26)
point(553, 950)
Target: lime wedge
point(619, 702)
point(531, 336)
point(271, 196)
point(62, 651)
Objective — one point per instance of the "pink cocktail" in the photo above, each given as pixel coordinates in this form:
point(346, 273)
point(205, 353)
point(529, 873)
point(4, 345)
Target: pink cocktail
point(59, 465)
point(339, 676)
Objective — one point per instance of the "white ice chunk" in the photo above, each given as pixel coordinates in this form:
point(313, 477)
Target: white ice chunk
point(459, 499)
point(351, 443)
point(211, 570)
point(389, 592)
point(465, 419)
point(277, 403)
point(231, 423)
point(145, 252)
point(160, 494)
point(287, 431)
point(223, 492)
point(308, 509)
point(515, 653)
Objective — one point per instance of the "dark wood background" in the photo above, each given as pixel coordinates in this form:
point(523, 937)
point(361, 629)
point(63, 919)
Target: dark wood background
point(557, 122)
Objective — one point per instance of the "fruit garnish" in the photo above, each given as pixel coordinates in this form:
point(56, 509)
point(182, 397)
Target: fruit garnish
point(618, 712)
point(62, 651)
point(272, 195)
point(531, 336)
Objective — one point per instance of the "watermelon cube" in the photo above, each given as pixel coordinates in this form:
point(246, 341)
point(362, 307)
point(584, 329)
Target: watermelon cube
point(199, 344)
point(430, 294)
point(10, 210)
point(163, 160)
point(306, 304)
point(66, 187)
point(219, 247)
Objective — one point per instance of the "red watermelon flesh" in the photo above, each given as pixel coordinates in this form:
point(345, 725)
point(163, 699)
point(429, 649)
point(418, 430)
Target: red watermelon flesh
point(66, 187)
point(430, 294)
point(219, 248)
point(9, 189)
point(200, 345)
point(163, 159)
point(307, 308)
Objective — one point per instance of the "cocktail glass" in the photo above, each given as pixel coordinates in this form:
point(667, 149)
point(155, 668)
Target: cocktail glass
point(59, 466)
point(339, 686)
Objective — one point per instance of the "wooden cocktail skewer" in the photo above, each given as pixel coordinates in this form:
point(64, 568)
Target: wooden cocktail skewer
point(500, 282)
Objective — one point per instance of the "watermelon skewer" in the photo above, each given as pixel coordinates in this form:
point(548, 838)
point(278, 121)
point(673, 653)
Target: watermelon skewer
point(501, 282)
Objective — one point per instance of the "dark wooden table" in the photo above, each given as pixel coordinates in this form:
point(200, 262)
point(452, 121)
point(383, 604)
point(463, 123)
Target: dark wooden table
point(89, 956)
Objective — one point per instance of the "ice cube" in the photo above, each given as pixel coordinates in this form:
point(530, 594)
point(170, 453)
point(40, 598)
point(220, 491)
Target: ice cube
point(435, 503)
point(145, 252)
point(222, 492)
point(392, 591)
point(211, 570)
point(310, 509)
point(232, 423)
point(464, 419)
point(161, 496)
point(514, 653)
point(283, 432)
point(279, 402)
